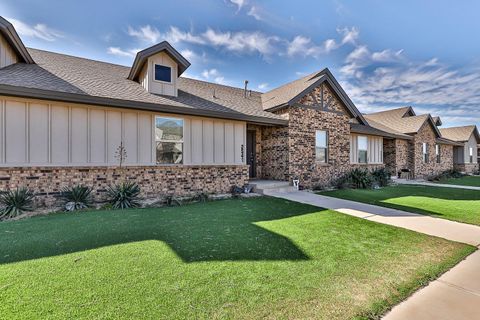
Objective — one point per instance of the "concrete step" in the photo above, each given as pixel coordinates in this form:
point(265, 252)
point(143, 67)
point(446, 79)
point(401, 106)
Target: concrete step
point(264, 186)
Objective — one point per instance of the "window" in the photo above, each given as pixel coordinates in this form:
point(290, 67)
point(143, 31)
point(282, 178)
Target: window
point(321, 146)
point(163, 73)
point(437, 152)
point(362, 144)
point(169, 140)
point(471, 154)
point(425, 152)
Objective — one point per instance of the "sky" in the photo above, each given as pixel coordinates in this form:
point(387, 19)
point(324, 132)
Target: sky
point(385, 54)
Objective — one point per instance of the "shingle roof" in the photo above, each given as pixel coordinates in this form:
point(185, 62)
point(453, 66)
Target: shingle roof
point(460, 134)
point(81, 77)
point(371, 130)
point(401, 120)
point(283, 94)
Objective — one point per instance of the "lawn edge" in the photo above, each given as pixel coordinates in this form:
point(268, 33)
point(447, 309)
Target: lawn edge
point(380, 308)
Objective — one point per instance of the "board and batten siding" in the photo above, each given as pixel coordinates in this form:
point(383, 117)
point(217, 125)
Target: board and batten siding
point(374, 149)
point(7, 55)
point(39, 133)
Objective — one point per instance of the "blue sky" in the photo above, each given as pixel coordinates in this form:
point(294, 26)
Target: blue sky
point(385, 54)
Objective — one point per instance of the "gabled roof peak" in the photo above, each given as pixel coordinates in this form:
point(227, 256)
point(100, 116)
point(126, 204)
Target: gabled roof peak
point(163, 46)
point(8, 31)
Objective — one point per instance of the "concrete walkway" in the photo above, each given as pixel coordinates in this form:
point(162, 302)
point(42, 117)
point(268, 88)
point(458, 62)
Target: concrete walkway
point(431, 184)
point(455, 295)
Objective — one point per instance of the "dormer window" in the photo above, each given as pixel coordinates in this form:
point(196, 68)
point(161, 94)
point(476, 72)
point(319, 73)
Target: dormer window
point(163, 73)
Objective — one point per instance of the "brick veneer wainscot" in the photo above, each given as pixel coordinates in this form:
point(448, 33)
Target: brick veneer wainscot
point(155, 181)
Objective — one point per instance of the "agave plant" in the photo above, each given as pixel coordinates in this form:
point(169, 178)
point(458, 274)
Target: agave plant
point(76, 198)
point(124, 195)
point(15, 202)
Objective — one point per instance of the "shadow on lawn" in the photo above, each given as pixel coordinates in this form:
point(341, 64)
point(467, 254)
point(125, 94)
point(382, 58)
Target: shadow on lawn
point(216, 231)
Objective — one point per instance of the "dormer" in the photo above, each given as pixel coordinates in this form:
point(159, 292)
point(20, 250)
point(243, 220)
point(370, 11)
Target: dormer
point(157, 69)
point(12, 49)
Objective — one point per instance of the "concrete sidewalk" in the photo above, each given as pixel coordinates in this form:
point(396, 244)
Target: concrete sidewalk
point(455, 295)
point(431, 184)
point(443, 228)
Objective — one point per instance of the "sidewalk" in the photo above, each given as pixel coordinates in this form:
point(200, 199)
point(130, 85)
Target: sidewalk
point(431, 184)
point(455, 295)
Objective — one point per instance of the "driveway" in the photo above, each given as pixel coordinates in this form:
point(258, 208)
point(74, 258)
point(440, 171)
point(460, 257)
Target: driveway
point(454, 295)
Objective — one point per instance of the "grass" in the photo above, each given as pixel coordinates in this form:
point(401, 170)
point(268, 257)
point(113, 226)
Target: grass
point(242, 259)
point(449, 203)
point(471, 181)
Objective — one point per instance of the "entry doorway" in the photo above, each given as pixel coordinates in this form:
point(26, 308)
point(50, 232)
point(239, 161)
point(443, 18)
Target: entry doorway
point(251, 153)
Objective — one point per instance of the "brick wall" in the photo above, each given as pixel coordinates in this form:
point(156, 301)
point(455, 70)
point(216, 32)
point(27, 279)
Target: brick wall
point(421, 169)
point(466, 167)
point(289, 152)
point(397, 155)
point(157, 181)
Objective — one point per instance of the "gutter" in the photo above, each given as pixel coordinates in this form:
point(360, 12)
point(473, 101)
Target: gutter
point(24, 92)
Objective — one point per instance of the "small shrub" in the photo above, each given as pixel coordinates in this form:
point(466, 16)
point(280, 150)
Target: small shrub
point(381, 176)
point(448, 174)
point(124, 195)
point(201, 197)
point(361, 179)
point(172, 201)
point(76, 198)
point(15, 202)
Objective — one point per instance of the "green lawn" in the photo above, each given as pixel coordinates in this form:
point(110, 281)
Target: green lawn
point(449, 203)
point(472, 181)
point(250, 258)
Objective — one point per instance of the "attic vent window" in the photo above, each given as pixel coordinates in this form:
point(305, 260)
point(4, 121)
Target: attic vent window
point(163, 73)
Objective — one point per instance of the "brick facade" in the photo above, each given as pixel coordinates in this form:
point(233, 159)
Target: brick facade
point(397, 155)
point(466, 167)
point(289, 152)
point(155, 181)
point(422, 169)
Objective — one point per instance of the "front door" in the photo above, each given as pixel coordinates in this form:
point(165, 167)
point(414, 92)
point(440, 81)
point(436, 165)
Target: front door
point(251, 155)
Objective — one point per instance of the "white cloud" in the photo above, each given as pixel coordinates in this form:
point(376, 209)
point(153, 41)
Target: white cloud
point(122, 53)
point(263, 86)
point(39, 30)
point(214, 75)
point(242, 41)
point(238, 3)
point(175, 35)
point(146, 33)
point(304, 46)
point(350, 35)
point(255, 13)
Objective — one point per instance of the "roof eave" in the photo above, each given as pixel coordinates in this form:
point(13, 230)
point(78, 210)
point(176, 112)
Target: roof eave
point(24, 92)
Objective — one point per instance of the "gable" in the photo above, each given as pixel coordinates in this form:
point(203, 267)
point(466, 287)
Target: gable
point(323, 98)
point(12, 49)
point(7, 54)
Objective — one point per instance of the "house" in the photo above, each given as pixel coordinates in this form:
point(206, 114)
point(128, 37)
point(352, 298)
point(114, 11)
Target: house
point(419, 147)
point(64, 119)
point(465, 156)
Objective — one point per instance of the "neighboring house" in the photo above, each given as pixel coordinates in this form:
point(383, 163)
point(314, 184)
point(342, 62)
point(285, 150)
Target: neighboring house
point(63, 118)
point(465, 156)
point(419, 147)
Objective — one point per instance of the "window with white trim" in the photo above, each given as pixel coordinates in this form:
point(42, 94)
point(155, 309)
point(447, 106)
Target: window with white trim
point(425, 152)
point(437, 153)
point(162, 73)
point(362, 145)
point(169, 140)
point(321, 146)
point(471, 154)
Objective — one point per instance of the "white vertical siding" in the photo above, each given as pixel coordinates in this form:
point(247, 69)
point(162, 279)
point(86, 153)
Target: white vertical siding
point(374, 149)
point(7, 55)
point(42, 133)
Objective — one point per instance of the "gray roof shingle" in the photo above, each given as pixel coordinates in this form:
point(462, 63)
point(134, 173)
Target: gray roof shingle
point(67, 74)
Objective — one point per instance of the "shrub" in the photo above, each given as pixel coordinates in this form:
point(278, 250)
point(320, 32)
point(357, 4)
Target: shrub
point(76, 198)
point(381, 176)
point(124, 195)
point(201, 197)
point(448, 174)
point(356, 178)
point(15, 202)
